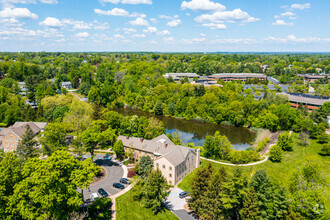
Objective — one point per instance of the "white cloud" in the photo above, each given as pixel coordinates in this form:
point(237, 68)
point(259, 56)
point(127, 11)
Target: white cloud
point(150, 29)
point(17, 13)
point(52, 22)
point(129, 30)
point(49, 1)
point(293, 38)
point(168, 39)
point(77, 25)
point(235, 41)
point(136, 14)
point(202, 34)
point(139, 35)
point(193, 41)
point(153, 20)
point(132, 2)
point(118, 36)
point(165, 17)
point(174, 23)
point(139, 22)
point(101, 26)
point(113, 12)
point(82, 35)
point(164, 32)
point(226, 16)
point(202, 5)
point(215, 26)
point(300, 6)
point(282, 23)
point(288, 13)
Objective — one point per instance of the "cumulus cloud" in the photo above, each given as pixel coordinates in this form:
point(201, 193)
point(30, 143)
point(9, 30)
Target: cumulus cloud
point(132, 2)
point(215, 26)
point(113, 12)
point(193, 41)
point(300, 6)
point(282, 23)
point(129, 30)
point(139, 22)
point(17, 13)
point(293, 38)
point(52, 22)
point(139, 35)
point(77, 25)
point(164, 32)
point(202, 5)
point(226, 16)
point(49, 1)
point(82, 35)
point(174, 23)
point(150, 29)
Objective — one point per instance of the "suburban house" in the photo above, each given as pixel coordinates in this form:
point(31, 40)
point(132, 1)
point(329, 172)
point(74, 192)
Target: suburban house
point(312, 102)
point(11, 136)
point(179, 76)
point(66, 85)
point(174, 161)
point(237, 76)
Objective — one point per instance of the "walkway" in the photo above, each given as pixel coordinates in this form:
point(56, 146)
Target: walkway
point(272, 143)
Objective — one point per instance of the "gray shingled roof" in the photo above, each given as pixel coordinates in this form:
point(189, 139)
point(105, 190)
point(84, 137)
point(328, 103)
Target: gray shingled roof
point(305, 100)
point(19, 127)
point(160, 146)
point(238, 75)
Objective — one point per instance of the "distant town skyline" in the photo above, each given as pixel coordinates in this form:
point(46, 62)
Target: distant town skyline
point(165, 25)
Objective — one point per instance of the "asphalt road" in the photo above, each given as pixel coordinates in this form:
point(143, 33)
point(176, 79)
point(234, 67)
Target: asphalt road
point(113, 174)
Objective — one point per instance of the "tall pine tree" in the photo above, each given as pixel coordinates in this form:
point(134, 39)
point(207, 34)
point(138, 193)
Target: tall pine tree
point(27, 146)
point(250, 209)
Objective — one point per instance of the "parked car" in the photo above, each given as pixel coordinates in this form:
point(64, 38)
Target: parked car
point(102, 192)
point(107, 157)
point(124, 180)
point(118, 185)
point(183, 194)
point(94, 196)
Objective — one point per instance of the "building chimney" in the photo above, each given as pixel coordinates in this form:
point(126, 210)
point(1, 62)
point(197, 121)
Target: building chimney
point(119, 134)
point(166, 145)
point(141, 140)
point(127, 137)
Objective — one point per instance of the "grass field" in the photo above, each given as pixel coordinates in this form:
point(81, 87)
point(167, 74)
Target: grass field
point(130, 209)
point(281, 171)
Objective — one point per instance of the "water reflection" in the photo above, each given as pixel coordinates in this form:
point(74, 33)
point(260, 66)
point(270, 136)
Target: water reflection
point(196, 131)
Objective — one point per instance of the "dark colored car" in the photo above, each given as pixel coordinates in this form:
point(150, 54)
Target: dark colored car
point(102, 192)
point(118, 185)
point(183, 194)
point(107, 157)
point(124, 180)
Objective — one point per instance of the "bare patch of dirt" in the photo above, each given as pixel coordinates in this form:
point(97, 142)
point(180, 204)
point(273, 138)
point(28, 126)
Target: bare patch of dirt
point(99, 176)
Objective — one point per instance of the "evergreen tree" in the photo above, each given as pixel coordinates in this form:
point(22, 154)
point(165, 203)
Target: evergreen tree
point(155, 191)
point(276, 153)
point(285, 141)
point(199, 185)
point(27, 146)
point(211, 205)
point(145, 166)
point(158, 109)
point(250, 209)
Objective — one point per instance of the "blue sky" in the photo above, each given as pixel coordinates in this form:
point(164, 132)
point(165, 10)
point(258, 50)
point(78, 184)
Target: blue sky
point(165, 25)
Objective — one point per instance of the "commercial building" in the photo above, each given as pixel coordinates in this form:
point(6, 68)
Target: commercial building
point(312, 77)
point(10, 137)
point(174, 161)
point(237, 76)
point(178, 76)
point(312, 102)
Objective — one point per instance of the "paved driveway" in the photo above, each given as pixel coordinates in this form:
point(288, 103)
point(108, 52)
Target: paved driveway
point(176, 205)
point(113, 174)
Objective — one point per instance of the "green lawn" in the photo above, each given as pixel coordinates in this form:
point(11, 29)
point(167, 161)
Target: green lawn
point(130, 209)
point(281, 171)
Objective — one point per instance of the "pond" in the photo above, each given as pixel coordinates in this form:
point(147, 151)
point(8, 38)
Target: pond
point(196, 131)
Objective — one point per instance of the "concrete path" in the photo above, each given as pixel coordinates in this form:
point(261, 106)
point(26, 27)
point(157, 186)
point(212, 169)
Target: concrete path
point(239, 165)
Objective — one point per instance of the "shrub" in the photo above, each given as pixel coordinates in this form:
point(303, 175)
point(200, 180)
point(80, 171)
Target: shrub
point(262, 144)
point(276, 153)
point(325, 150)
point(243, 156)
point(323, 138)
point(3, 125)
point(131, 173)
point(285, 141)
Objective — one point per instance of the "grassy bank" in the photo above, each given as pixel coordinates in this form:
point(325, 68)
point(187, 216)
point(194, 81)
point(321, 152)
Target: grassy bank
point(131, 209)
point(281, 171)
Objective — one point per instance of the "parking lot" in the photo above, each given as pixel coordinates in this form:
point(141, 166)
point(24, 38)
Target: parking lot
point(113, 173)
point(176, 205)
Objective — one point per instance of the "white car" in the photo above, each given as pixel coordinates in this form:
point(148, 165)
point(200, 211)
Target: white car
point(94, 196)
